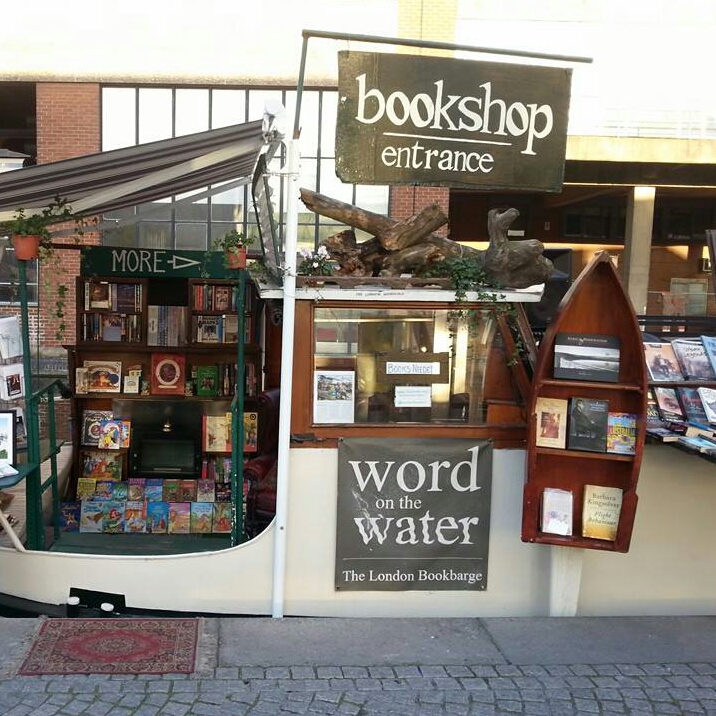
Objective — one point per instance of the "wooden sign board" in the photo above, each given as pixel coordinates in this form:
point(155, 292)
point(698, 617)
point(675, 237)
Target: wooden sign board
point(413, 368)
point(434, 120)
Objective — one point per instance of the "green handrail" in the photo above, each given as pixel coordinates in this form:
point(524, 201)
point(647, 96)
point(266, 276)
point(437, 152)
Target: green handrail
point(237, 425)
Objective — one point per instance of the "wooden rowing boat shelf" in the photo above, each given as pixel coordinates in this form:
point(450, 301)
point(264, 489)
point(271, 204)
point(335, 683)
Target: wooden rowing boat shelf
point(596, 304)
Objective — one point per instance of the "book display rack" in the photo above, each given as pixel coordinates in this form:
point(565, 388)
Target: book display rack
point(586, 435)
point(154, 371)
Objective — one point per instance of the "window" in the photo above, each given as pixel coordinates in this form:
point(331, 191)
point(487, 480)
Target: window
point(9, 279)
point(134, 115)
point(399, 365)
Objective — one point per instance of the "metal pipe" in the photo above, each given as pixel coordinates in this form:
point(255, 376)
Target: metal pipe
point(284, 417)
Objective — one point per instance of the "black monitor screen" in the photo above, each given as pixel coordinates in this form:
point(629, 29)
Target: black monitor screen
point(167, 455)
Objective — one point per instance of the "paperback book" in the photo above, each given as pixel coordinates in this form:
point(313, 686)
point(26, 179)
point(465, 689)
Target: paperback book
point(179, 518)
point(104, 490)
point(222, 492)
point(157, 517)
point(669, 406)
point(172, 490)
point(136, 488)
point(621, 433)
point(653, 416)
point(586, 357)
point(664, 435)
point(693, 360)
point(692, 406)
point(205, 491)
point(120, 491)
point(92, 424)
point(201, 517)
point(550, 422)
point(91, 516)
point(588, 419)
point(168, 374)
point(187, 490)
point(110, 434)
point(222, 517)
point(85, 488)
point(113, 521)
point(600, 512)
point(135, 517)
point(556, 511)
point(251, 432)
point(708, 400)
point(69, 516)
point(661, 362)
point(699, 444)
point(709, 343)
point(153, 489)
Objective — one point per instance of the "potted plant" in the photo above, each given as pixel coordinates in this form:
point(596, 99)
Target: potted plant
point(30, 234)
point(315, 263)
point(233, 243)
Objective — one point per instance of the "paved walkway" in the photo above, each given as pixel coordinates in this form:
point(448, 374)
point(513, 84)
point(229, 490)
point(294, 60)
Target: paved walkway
point(401, 667)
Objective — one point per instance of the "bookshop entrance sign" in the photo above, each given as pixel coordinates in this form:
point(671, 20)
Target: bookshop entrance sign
point(413, 514)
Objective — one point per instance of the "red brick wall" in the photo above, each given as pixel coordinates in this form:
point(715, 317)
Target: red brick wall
point(408, 200)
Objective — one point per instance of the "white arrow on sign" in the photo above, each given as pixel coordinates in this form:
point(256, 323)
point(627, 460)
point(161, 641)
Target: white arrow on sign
point(180, 262)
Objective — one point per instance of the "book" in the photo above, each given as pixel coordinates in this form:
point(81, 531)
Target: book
point(112, 327)
point(10, 337)
point(600, 512)
point(621, 433)
point(708, 401)
point(661, 362)
point(126, 432)
point(697, 443)
point(692, 406)
point(136, 488)
point(207, 380)
point(187, 490)
point(222, 517)
point(588, 418)
point(168, 374)
point(653, 416)
point(12, 381)
point(179, 518)
point(157, 517)
point(120, 491)
point(104, 376)
point(135, 517)
point(663, 434)
point(102, 465)
point(86, 487)
point(69, 516)
point(231, 328)
point(153, 489)
point(668, 402)
point(113, 518)
point(201, 517)
point(251, 432)
point(693, 360)
point(586, 357)
point(222, 492)
point(709, 343)
point(104, 490)
point(110, 434)
point(91, 516)
point(205, 491)
point(128, 297)
point(550, 422)
point(216, 433)
point(208, 329)
point(81, 381)
point(98, 292)
point(222, 298)
point(131, 384)
point(92, 424)
point(556, 511)
point(172, 491)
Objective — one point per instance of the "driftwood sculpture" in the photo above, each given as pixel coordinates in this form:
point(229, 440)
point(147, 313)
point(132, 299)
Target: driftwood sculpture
point(402, 246)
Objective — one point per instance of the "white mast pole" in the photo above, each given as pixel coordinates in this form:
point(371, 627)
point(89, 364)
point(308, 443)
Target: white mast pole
point(284, 418)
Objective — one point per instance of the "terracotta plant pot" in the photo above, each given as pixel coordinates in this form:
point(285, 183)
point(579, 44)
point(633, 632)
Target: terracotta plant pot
point(236, 258)
point(26, 246)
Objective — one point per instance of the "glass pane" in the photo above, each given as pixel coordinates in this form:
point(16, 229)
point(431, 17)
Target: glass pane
point(192, 211)
point(155, 235)
point(191, 236)
point(328, 124)
point(155, 114)
point(409, 365)
point(331, 185)
point(10, 279)
point(191, 111)
point(373, 198)
point(309, 124)
point(257, 98)
point(118, 117)
point(218, 230)
point(121, 236)
point(227, 107)
point(159, 210)
point(228, 205)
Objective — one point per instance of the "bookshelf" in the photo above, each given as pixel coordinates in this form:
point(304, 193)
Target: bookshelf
point(145, 330)
point(573, 470)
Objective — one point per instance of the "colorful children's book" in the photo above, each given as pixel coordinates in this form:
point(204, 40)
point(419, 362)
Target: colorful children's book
point(207, 380)
point(91, 422)
point(91, 516)
point(251, 432)
point(153, 489)
point(126, 428)
point(222, 517)
point(85, 488)
point(205, 491)
point(187, 490)
point(201, 517)
point(621, 433)
point(102, 465)
point(172, 491)
point(216, 433)
point(222, 492)
point(113, 516)
point(69, 516)
point(179, 518)
point(120, 491)
point(136, 488)
point(110, 434)
point(104, 490)
point(157, 517)
point(135, 519)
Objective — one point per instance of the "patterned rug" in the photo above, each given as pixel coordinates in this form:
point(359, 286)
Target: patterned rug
point(113, 646)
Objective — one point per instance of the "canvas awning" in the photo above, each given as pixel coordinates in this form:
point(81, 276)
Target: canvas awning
point(97, 183)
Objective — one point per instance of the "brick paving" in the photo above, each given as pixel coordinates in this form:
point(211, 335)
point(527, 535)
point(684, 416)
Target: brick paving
point(406, 689)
